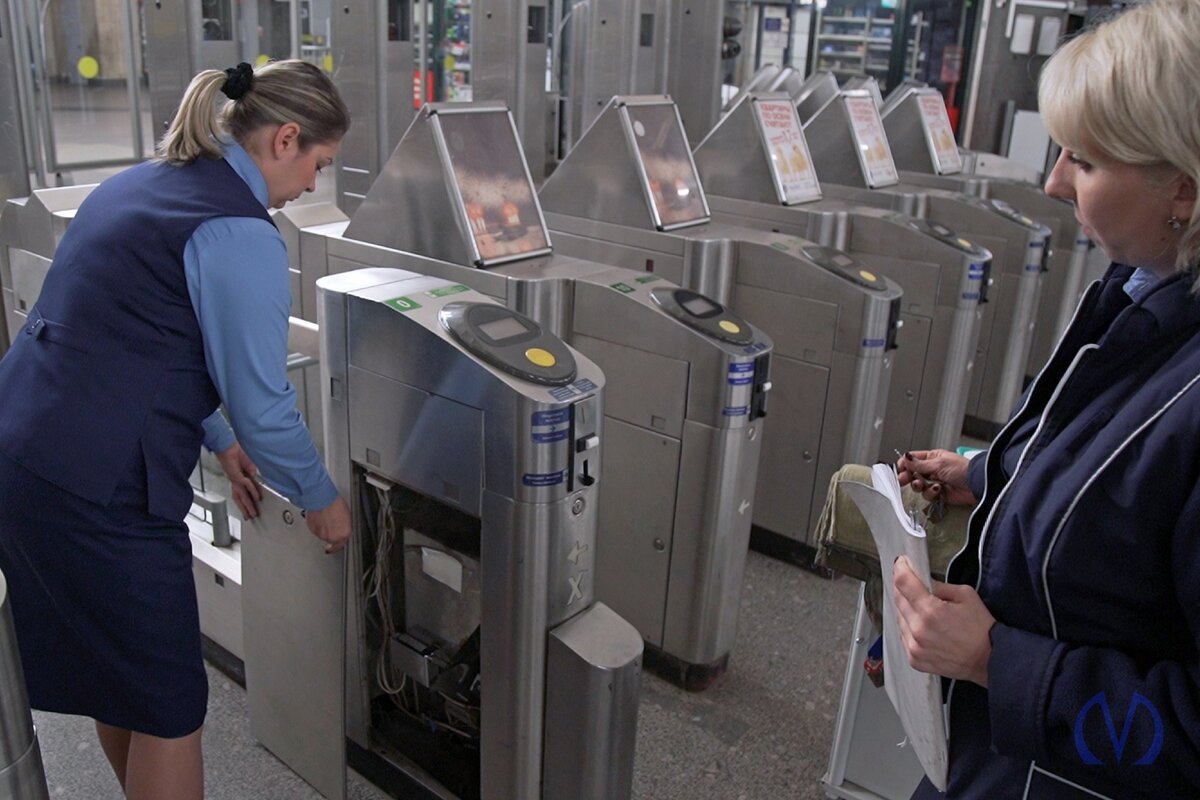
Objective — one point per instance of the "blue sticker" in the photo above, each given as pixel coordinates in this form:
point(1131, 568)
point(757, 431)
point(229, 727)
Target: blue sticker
point(1083, 241)
point(736, 411)
point(562, 393)
point(746, 381)
point(874, 342)
point(544, 478)
point(744, 366)
point(1035, 244)
point(551, 437)
point(584, 385)
point(970, 296)
point(975, 271)
point(1034, 267)
point(757, 347)
point(556, 417)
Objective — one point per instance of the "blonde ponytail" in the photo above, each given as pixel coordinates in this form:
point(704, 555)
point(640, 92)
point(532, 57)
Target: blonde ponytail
point(195, 131)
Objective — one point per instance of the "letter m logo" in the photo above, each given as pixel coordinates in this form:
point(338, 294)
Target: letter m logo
point(1118, 741)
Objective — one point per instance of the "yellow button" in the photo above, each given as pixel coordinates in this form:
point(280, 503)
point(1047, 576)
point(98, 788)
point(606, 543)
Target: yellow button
point(867, 276)
point(964, 243)
point(543, 358)
point(730, 327)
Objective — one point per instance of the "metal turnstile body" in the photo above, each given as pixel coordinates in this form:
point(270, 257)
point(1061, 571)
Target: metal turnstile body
point(922, 141)
point(628, 194)
point(811, 94)
point(686, 378)
point(470, 590)
point(21, 773)
point(757, 172)
point(854, 162)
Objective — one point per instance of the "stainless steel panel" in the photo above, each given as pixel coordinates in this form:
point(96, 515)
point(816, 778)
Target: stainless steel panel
point(28, 274)
point(16, 723)
point(908, 387)
point(802, 328)
point(218, 580)
point(451, 472)
point(634, 545)
point(25, 779)
point(294, 607)
point(713, 513)
point(593, 668)
point(694, 66)
point(792, 439)
point(652, 390)
point(14, 165)
point(812, 95)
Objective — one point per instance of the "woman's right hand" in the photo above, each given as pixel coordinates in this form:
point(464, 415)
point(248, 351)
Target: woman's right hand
point(936, 473)
point(331, 525)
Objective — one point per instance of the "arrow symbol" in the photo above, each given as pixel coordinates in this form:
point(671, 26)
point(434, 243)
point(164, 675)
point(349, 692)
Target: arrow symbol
point(742, 508)
point(576, 552)
point(576, 590)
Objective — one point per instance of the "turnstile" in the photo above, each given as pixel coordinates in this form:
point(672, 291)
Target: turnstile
point(477, 661)
point(687, 379)
point(628, 194)
point(757, 172)
point(854, 162)
point(21, 773)
point(923, 145)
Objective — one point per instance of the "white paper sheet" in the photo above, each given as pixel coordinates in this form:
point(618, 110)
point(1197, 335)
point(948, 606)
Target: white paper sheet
point(916, 696)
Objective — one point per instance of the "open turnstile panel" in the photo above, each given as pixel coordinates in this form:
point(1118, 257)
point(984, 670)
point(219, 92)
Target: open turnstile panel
point(628, 194)
point(758, 172)
point(687, 377)
point(469, 437)
point(922, 140)
point(854, 162)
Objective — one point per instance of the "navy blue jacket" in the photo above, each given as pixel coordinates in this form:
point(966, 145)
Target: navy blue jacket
point(1085, 546)
point(108, 380)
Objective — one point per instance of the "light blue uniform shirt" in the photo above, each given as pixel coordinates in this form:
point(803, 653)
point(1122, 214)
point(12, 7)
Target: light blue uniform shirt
point(237, 277)
point(1140, 283)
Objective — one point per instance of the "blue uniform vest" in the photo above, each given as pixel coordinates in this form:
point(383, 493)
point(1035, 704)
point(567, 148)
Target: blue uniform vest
point(107, 379)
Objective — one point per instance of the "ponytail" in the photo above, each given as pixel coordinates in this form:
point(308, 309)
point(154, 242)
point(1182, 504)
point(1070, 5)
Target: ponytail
point(195, 131)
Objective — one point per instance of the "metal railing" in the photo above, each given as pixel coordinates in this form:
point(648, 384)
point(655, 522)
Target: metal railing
point(21, 773)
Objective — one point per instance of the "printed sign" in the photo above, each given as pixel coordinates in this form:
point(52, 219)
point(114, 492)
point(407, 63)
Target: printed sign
point(874, 153)
point(403, 303)
point(939, 135)
point(663, 148)
point(791, 162)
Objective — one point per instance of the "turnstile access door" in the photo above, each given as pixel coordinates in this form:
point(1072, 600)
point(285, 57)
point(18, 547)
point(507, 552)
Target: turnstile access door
point(628, 194)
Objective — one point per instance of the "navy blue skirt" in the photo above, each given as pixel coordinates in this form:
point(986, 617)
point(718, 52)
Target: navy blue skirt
point(104, 603)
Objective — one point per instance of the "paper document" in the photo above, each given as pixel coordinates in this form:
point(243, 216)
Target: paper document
point(917, 696)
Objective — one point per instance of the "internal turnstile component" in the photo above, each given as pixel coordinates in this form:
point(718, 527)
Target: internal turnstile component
point(628, 194)
point(474, 646)
point(757, 171)
point(687, 377)
point(922, 141)
point(854, 162)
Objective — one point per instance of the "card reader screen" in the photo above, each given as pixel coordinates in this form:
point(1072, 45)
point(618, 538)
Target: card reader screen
point(699, 306)
point(504, 328)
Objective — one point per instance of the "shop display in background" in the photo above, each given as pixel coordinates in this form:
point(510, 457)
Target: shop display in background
point(456, 51)
point(854, 38)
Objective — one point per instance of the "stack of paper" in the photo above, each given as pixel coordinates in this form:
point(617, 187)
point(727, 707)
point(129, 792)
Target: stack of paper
point(917, 696)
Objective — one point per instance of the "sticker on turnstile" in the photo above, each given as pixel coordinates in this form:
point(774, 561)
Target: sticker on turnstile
point(780, 246)
point(736, 411)
point(548, 426)
point(871, 343)
point(403, 304)
point(446, 291)
point(544, 478)
point(757, 347)
point(741, 374)
point(577, 388)
point(975, 271)
point(623, 287)
point(648, 279)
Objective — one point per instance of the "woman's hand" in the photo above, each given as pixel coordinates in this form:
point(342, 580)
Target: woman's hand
point(331, 525)
point(936, 472)
point(946, 632)
point(241, 471)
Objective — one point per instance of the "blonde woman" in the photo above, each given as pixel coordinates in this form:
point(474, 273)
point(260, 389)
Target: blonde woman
point(1071, 626)
point(168, 295)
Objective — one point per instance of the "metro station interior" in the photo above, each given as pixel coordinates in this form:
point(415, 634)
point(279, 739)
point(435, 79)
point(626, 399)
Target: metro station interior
point(610, 290)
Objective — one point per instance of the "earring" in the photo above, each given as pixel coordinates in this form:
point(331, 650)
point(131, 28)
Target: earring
point(1174, 223)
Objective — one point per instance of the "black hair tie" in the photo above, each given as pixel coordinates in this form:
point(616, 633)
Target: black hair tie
point(237, 81)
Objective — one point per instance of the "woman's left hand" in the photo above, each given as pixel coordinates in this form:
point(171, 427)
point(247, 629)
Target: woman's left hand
point(946, 632)
point(241, 471)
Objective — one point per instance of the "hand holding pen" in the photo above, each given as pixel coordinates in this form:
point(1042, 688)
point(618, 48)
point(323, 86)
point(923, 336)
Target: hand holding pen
point(938, 475)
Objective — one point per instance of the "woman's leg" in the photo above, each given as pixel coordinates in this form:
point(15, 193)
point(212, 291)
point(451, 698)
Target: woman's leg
point(115, 744)
point(164, 768)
